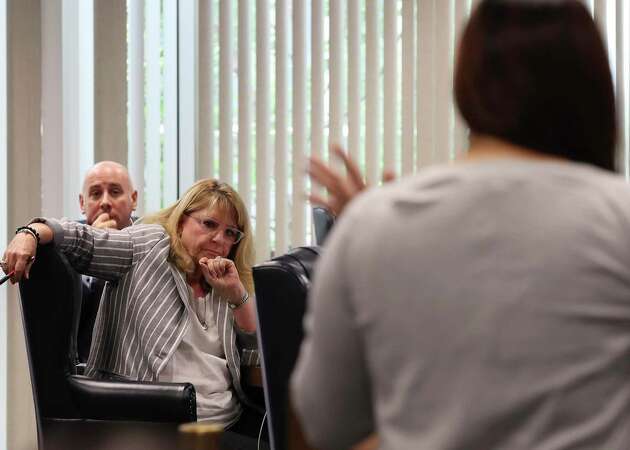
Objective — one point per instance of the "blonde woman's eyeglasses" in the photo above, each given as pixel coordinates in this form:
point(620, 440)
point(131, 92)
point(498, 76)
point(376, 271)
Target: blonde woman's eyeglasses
point(211, 226)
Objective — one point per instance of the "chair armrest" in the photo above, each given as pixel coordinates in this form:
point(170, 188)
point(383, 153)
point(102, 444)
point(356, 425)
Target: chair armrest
point(133, 400)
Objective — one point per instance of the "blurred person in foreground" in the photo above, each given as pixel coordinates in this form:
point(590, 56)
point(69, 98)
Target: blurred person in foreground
point(177, 304)
point(486, 304)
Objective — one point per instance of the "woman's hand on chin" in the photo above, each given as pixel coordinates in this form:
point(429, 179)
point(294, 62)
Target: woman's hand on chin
point(221, 274)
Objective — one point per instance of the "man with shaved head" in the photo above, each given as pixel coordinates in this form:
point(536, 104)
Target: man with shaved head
point(107, 200)
point(108, 196)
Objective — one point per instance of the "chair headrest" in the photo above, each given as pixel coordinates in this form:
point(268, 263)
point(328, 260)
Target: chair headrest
point(300, 261)
point(323, 221)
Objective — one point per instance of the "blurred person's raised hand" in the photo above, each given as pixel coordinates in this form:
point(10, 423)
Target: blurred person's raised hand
point(341, 188)
point(104, 221)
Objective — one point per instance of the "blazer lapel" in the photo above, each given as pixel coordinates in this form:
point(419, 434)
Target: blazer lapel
point(180, 283)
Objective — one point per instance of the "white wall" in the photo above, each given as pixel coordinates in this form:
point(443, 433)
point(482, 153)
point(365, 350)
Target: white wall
point(23, 199)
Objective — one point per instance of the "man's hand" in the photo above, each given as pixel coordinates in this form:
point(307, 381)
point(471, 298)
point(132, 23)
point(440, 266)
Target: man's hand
point(341, 189)
point(19, 256)
point(104, 221)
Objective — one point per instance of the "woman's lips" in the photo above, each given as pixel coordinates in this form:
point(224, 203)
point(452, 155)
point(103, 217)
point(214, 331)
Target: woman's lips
point(211, 253)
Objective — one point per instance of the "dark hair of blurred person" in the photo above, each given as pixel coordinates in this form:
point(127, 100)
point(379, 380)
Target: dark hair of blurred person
point(536, 74)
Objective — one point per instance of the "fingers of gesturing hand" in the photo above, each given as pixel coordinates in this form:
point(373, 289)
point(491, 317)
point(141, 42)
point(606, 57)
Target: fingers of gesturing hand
point(388, 175)
point(339, 188)
point(324, 175)
point(354, 174)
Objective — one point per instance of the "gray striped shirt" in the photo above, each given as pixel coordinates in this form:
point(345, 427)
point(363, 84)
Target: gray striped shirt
point(142, 317)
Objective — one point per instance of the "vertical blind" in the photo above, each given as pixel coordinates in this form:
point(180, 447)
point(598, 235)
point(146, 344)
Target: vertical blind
point(274, 81)
point(153, 101)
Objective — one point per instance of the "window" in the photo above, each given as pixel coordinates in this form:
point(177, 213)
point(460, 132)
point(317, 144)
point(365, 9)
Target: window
point(246, 91)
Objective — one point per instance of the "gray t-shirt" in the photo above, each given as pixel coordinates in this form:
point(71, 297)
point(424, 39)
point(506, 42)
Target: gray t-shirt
point(476, 306)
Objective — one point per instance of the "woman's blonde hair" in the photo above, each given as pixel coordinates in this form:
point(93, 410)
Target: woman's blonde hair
point(203, 195)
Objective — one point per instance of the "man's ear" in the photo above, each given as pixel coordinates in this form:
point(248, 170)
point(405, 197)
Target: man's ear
point(134, 200)
point(81, 203)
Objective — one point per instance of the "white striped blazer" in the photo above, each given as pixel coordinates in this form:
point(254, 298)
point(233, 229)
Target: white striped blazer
point(142, 317)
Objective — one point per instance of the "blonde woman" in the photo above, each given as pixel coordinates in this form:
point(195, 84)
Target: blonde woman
point(178, 303)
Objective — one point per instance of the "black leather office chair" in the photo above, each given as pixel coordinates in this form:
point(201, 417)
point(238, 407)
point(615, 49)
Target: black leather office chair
point(281, 285)
point(51, 300)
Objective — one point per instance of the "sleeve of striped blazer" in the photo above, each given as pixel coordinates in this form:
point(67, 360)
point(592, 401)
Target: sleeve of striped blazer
point(105, 254)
